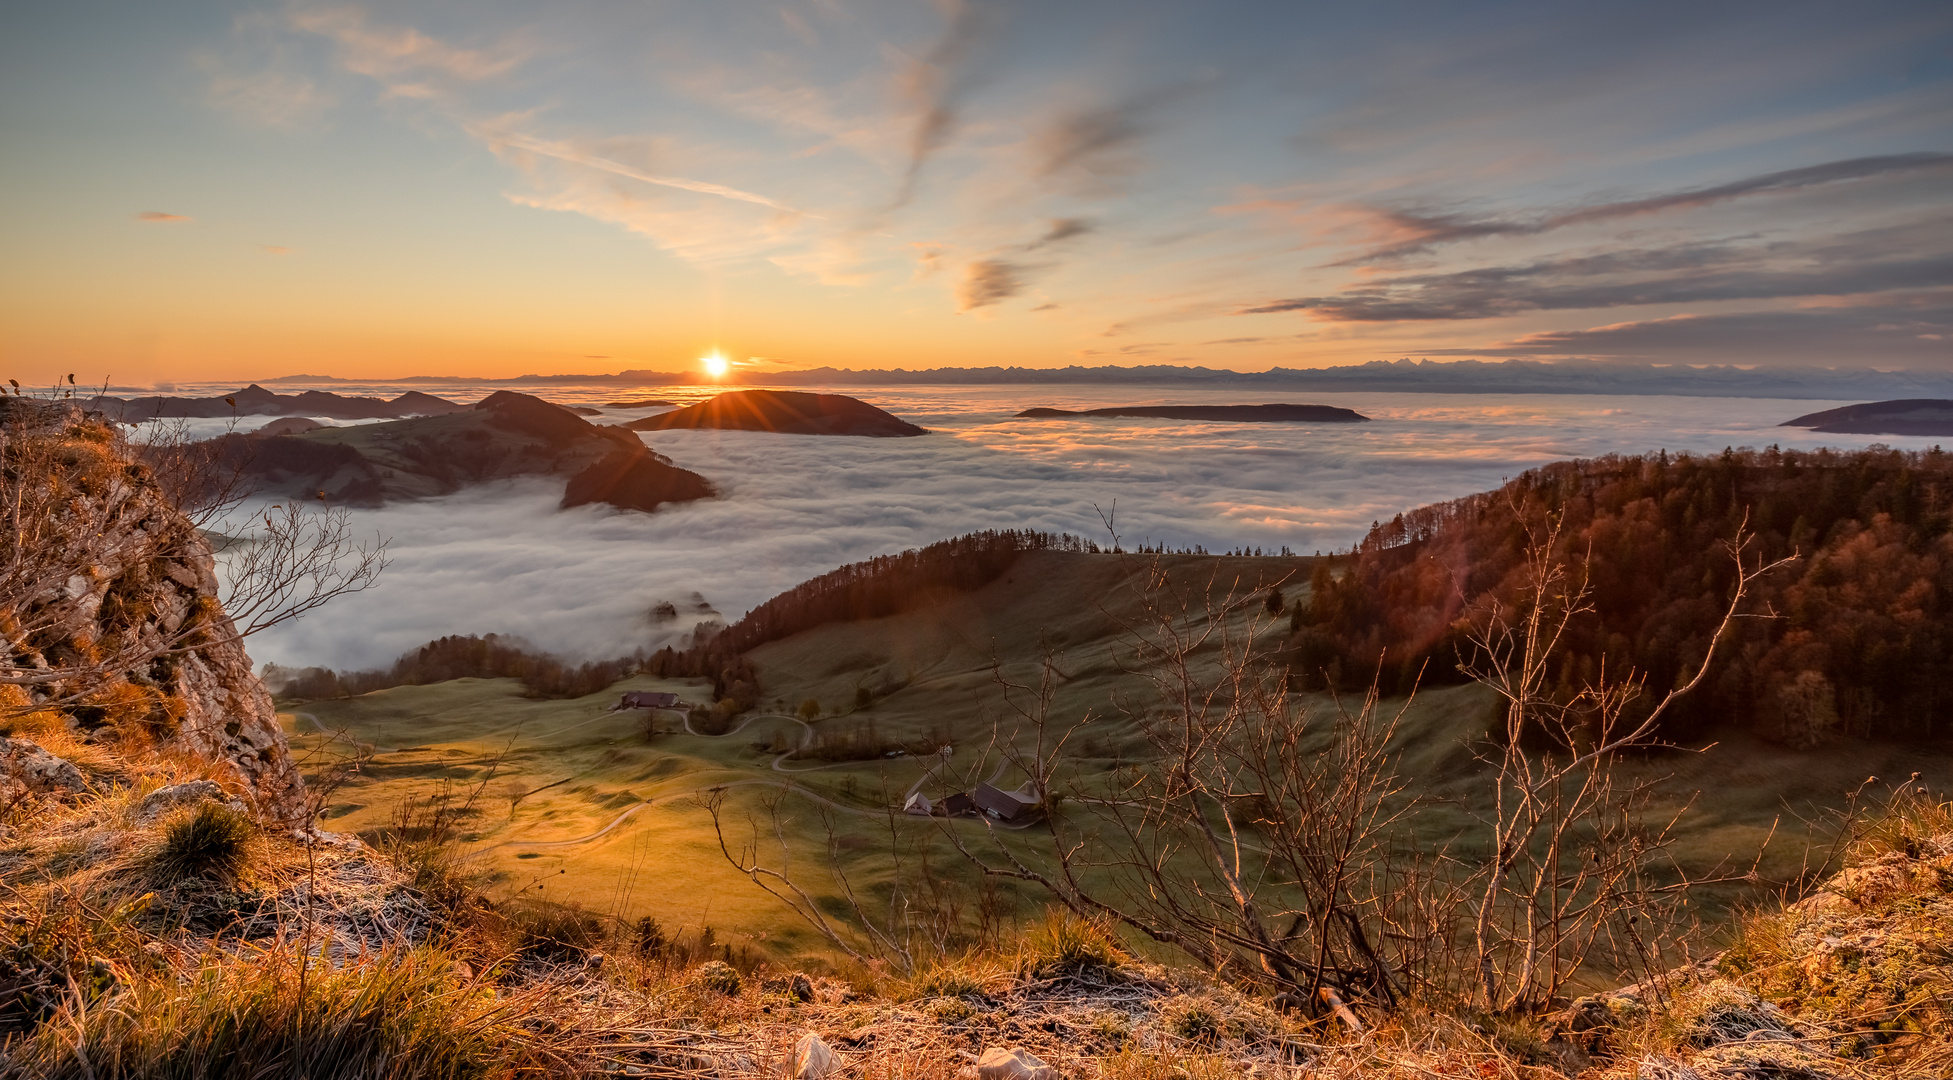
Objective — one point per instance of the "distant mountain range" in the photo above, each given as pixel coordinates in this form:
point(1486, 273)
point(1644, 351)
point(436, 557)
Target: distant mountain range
point(1418, 376)
point(255, 400)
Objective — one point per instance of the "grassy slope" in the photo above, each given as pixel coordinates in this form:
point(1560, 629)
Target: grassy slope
point(932, 672)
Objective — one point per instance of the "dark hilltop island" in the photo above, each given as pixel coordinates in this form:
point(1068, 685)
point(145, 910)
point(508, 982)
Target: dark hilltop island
point(1251, 414)
point(1907, 416)
point(783, 412)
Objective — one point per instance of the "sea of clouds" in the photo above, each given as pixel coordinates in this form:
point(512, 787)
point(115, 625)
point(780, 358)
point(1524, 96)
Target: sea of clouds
point(502, 558)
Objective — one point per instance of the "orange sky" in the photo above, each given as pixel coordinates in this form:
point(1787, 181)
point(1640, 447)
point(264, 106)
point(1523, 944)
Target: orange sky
point(251, 190)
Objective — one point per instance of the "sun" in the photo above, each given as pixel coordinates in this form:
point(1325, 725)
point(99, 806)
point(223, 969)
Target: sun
point(714, 365)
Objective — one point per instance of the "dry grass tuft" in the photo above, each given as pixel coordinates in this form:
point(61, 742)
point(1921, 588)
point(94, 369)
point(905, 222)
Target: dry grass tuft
point(210, 840)
point(399, 1015)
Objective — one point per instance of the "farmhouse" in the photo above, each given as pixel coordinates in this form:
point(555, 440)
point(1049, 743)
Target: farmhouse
point(648, 699)
point(1005, 805)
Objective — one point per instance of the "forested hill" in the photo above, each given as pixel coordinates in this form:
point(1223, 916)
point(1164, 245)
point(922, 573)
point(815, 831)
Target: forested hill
point(1860, 642)
point(888, 584)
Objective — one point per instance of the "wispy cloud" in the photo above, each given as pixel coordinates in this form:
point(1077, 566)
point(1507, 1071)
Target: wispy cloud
point(259, 77)
point(1417, 232)
point(274, 249)
point(565, 152)
point(1912, 257)
point(1061, 229)
point(1101, 142)
point(986, 282)
point(389, 52)
point(1899, 331)
point(937, 83)
point(159, 217)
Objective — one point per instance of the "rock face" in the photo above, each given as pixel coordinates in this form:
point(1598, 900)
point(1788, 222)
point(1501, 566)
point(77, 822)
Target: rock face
point(783, 412)
point(1910, 416)
point(505, 434)
point(1260, 414)
point(133, 643)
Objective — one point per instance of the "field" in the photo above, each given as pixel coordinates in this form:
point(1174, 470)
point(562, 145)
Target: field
point(569, 801)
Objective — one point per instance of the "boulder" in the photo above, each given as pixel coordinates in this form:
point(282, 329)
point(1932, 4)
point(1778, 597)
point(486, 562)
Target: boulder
point(1000, 1064)
point(27, 771)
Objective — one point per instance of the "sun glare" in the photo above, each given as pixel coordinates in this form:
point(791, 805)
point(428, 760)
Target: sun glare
point(714, 365)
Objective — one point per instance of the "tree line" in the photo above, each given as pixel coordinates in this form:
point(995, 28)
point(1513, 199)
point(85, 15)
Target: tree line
point(461, 656)
point(883, 585)
point(1853, 638)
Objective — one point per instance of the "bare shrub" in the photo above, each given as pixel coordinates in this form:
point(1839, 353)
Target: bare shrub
point(1572, 851)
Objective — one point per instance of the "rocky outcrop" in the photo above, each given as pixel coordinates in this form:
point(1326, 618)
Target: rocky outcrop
point(27, 771)
point(131, 641)
point(1853, 973)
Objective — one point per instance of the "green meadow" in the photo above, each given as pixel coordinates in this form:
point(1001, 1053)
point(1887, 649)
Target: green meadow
point(569, 801)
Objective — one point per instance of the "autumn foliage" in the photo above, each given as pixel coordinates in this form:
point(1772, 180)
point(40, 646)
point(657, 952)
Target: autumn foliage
point(1855, 638)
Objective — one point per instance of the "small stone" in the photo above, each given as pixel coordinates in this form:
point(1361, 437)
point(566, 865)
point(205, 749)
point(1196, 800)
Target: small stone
point(813, 1059)
point(165, 799)
point(1000, 1064)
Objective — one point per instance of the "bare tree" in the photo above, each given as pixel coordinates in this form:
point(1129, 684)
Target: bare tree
point(1571, 854)
point(1256, 836)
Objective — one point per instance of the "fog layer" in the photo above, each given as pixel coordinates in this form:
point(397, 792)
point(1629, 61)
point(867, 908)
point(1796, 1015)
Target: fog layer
point(502, 558)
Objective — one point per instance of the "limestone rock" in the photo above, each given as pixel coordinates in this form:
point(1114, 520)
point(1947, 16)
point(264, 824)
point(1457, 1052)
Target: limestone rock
point(228, 715)
point(148, 588)
point(165, 799)
point(1000, 1064)
point(28, 771)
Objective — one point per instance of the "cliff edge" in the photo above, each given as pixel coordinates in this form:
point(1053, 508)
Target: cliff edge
point(113, 631)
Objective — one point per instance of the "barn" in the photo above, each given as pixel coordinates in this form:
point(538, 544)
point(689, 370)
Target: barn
point(648, 699)
point(1005, 805)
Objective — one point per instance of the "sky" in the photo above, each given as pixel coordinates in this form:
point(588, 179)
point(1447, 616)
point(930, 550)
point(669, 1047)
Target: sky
point(247, 190)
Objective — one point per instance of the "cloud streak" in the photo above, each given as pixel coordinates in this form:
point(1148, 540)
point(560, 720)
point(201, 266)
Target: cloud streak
point(158, 217)
point(938, 83)
point(1916, 331)
point(986, 282)
point(564, 152)
point(1101, 142)
point(1420, 232)
point(1868, 262)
